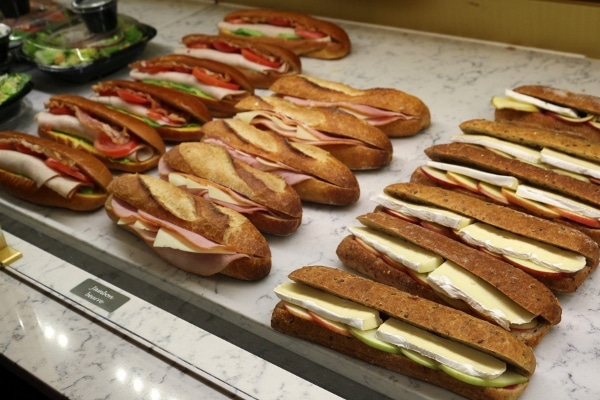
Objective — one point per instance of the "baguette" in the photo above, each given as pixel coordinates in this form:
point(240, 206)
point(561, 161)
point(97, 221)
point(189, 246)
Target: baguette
point(177, 116)
point(218, 85)
point(208, 170)
point(398, 308)
point(396, 113)
point(121, 142)
point(48, 173)
point(315, 174)
point(367, 250)
point(398, 199)
point(301, 33)
point(189, 232)
point(539, 106)
point(355, 143)
point(261, 63)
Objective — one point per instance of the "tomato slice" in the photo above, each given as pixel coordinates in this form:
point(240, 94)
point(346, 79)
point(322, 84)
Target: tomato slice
point(224, 47)
point(67, 170)
point(213, 80)
point(308, 34)
point(105, 145)
point(260, 59)
point(198, 45)
point(61, 110)
point(278, 21)
point(6, 146)
point(132, 97)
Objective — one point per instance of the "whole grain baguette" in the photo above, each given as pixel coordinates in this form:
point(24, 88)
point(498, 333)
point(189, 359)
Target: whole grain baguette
point(355, 143)
point(511, 220)
point(328, 180)
point(436, 318)
point(276, 207)
point(413, 115)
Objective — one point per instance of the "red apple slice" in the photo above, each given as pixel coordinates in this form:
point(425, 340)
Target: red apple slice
point(463, 181)
point(533, 206)
point(297, 311)
point(417, 276)
point(437, 228)
point(579, 218)
point(532, 268)
point(493, 192)
point(333, 326)
point(438, 176)
point(408, 218)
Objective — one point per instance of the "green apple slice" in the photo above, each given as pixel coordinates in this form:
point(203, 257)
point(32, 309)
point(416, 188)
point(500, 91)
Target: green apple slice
point(420, 359)
point(368, 337)
point(508, 378)
point(500, 102)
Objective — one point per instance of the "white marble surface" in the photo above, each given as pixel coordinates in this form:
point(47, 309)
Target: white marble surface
point(455, 78)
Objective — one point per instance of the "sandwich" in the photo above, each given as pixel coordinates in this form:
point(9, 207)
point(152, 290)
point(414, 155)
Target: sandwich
point(558, 256)
point(261, 63)
point(546, 107)
point(301, 33)
point(189, 232)
point(404, 333)
point(44, 172)
point(120, 141)
point(314, 173)
point(177, 116)
point(396, 113)
point(428, 264)
point(208, 170)
point(357, 144)
point(550, 179)
point(219, 85)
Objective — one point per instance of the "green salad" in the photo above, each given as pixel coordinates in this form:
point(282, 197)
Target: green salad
point(75, 45)
point(11, 85)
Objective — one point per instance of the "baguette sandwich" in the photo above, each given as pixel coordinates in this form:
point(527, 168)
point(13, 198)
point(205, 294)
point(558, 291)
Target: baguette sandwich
point(315, 174)
point(396, 113)
point(545, 107)
point(189, 232)
point(515, 175)
point(428, 264)
point(177, 116)
point(303, 34)
point(357, 144)
point(558, 256)
point(219, 85)
point(403, 333)
point(261, 63)
point(48, 173)
point(120, 141)
point(208, 170)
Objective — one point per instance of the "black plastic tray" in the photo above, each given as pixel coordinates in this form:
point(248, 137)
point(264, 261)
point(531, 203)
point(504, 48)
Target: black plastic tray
point(11, 106)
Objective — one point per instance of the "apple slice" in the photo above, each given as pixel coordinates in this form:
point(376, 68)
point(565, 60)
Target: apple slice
point(437, 228)
point(463, 181)
point(417, 276)
point(407, 218)
point(508, 378)
point(533, 206)
point(579, 218)
point(493, 192)
point(501, 102)
point(438, 176)
point(420, 359)
point(576, 120)
point(333, 326)
point(595, 123)
point(531, 267)
point(370, 338)
point(297, 311)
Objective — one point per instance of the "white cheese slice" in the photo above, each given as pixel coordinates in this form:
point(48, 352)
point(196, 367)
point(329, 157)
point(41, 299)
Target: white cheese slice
point(329, 306)
point(399, 250)
point(507, 243)
point(523, 153)
point(448, 352)
point(214, 191)
point(165, 238)
point(540, 103)
point(570, 163)
point(499, 180)
point(557, 200)
point(458, 283)
point(426, 213)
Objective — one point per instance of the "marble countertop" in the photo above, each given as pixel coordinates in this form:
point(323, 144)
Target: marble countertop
point(455, 78)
